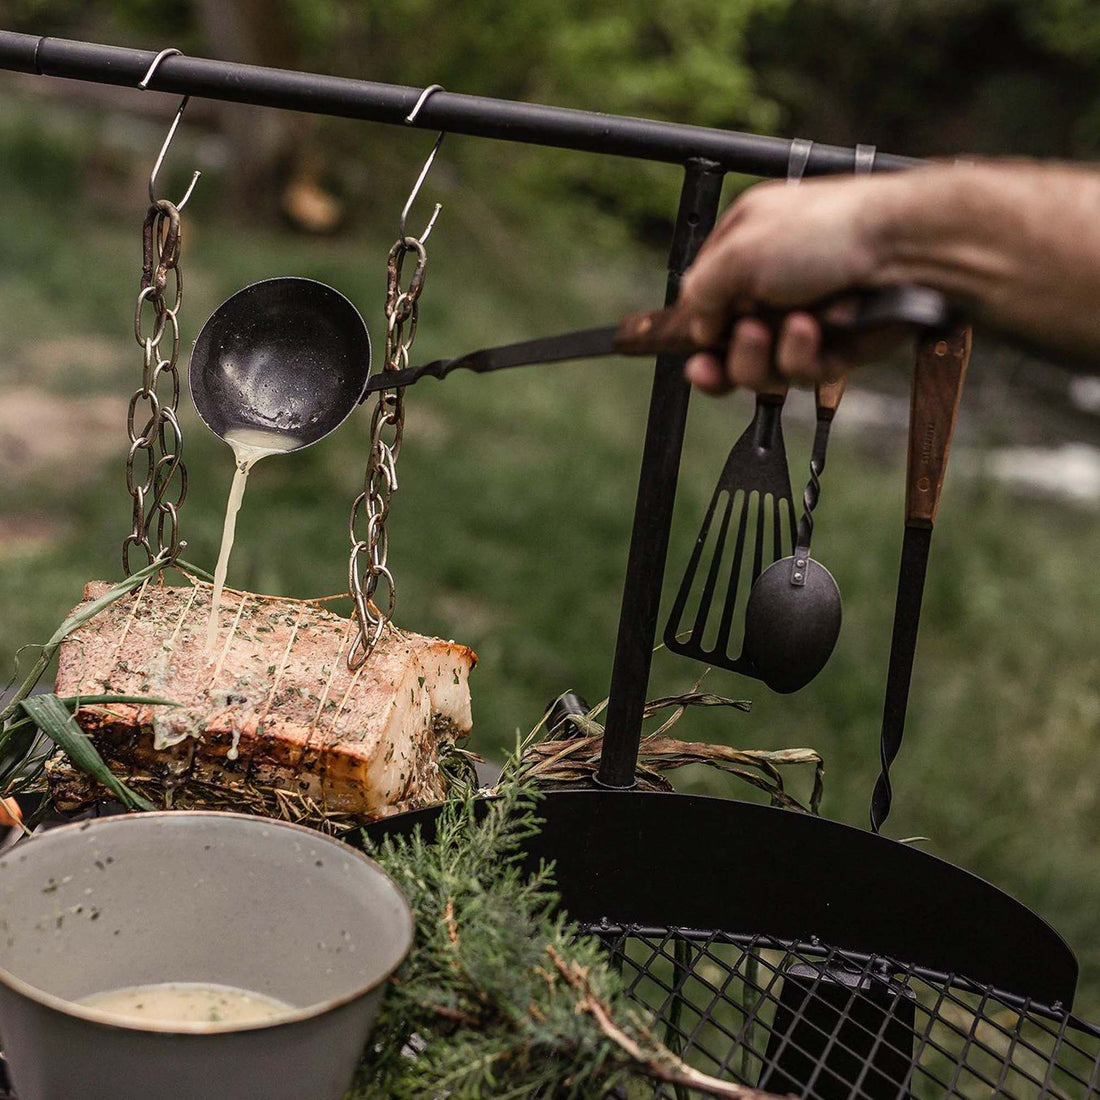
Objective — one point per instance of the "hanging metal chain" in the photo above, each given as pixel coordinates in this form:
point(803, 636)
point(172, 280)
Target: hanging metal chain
point(155, 474)
point(367, 565)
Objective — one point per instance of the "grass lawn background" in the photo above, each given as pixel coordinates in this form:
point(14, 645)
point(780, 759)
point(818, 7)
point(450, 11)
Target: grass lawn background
point(511, 525)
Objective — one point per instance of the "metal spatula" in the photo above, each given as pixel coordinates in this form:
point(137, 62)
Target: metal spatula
point(756, 484)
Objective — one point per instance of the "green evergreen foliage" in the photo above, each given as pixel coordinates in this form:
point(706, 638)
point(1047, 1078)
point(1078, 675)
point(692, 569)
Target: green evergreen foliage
point(478, 990)
point(499, 996)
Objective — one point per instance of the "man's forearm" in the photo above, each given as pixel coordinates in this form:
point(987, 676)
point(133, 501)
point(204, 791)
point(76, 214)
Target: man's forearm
point(1016, 242)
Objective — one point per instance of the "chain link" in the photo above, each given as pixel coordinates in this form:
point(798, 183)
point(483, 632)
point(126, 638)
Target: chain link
point(368, 571)
point(156, 477)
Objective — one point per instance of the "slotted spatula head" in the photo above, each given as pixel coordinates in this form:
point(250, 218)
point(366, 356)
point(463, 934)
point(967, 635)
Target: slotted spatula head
point(749, 524)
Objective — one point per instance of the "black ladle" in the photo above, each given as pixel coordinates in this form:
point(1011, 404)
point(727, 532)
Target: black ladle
point(292, 355)
point(284, 355)
point(792, 619)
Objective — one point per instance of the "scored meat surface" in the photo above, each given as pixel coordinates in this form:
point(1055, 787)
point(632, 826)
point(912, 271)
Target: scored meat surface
point(272, 710)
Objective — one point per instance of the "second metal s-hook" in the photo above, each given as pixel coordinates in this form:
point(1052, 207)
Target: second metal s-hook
point(411, 118)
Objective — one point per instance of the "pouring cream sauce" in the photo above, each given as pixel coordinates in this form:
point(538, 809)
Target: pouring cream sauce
point(186, 1003)
point(249, 446)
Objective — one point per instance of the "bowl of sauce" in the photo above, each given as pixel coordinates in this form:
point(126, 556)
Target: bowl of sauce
point(192, 955)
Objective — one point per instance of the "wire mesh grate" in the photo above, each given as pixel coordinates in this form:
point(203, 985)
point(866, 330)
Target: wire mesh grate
point(821, 1023)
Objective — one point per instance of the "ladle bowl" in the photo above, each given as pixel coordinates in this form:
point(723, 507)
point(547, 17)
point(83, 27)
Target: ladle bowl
point(287, 355)
point(791, 629)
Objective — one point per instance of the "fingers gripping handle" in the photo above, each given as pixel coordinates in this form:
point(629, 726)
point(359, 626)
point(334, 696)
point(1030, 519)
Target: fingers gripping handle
point(670, 330)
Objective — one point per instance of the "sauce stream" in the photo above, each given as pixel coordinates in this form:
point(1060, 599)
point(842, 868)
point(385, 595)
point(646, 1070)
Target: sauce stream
point(249, 446)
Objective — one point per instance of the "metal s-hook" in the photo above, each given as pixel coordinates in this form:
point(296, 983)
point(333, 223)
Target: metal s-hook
point(143, 84)
point(410, 118)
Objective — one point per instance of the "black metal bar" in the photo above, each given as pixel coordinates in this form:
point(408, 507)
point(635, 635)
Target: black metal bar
point(461, 114)
point(664, 440)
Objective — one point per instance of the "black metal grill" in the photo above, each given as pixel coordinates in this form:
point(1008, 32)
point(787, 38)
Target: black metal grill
point(671, 884)
point(826, 1024)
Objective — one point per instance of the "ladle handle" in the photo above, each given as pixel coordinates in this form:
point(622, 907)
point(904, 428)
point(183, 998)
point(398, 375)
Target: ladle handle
point(937, 388)
point(842, 318)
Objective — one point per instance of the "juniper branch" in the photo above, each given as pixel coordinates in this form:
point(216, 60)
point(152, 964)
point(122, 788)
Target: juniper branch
point(653, 1058)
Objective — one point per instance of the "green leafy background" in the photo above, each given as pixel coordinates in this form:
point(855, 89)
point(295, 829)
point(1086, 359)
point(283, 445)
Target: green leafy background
point(511, 525)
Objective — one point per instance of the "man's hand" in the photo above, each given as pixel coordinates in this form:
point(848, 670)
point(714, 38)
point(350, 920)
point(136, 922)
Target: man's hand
point(780, 246)
point(1014, 243)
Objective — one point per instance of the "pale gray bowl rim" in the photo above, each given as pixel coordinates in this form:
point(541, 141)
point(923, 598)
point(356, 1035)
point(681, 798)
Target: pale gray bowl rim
point(201, 1028)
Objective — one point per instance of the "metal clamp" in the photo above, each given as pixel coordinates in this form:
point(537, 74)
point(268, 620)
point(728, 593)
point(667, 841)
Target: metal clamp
point(797, 159)
point(865, 160)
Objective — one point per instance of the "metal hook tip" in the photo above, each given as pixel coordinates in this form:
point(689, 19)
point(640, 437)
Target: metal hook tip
point(191, 187)
point(430, 90)
point(431, 223)
point(143, 83)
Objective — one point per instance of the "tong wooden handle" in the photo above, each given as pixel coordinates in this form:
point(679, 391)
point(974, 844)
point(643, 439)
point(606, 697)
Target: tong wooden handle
point(938, 376)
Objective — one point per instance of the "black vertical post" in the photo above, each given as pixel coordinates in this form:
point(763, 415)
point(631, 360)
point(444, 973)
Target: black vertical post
point(645, 567)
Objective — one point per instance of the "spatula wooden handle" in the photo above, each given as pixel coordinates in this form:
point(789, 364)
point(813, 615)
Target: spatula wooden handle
point(938, 376)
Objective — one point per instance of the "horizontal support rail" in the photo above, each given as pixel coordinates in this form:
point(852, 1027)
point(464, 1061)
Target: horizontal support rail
point(478, 116)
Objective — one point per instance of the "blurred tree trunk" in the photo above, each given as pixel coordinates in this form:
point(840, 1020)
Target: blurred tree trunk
point(275, 163)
